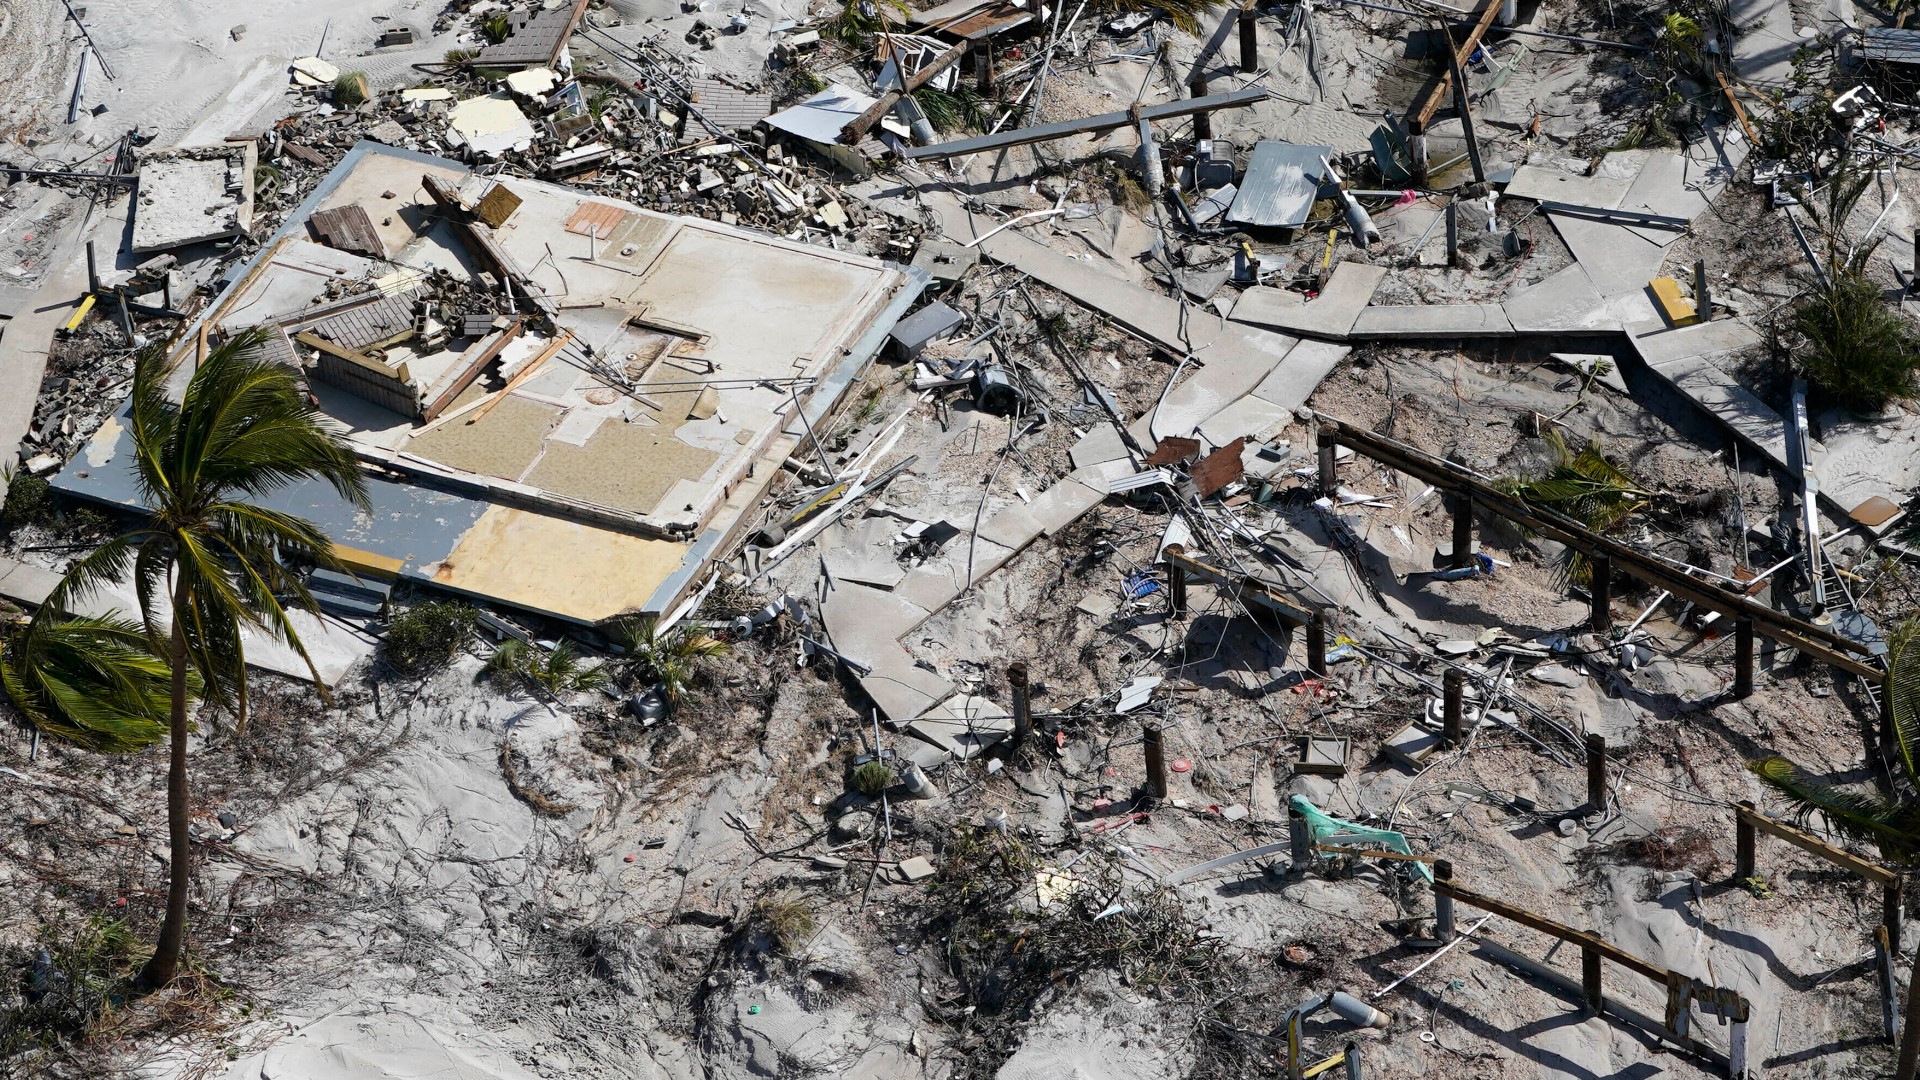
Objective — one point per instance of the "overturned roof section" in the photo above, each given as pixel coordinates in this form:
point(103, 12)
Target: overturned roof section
point(534, 40)
point(726, 107)
point(585, 455)
point(823, 116)
point(192, 194)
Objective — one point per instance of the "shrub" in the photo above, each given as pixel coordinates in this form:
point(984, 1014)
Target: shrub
point(669, 658)
point(872, 778)
point(496, 27)
point(350, 89)
point(789, 921)
point(426, 636)
point(560, 672)
point(1851, 346)
point(29, 501)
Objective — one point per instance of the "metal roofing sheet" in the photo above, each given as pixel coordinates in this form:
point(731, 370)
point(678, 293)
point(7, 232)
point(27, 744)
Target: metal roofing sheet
point(348, 228)
point(821, 117)
point(1281, 183)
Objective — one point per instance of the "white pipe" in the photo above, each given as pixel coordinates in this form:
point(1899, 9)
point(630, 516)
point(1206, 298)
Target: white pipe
point(1422, 965)
point(1011, 222)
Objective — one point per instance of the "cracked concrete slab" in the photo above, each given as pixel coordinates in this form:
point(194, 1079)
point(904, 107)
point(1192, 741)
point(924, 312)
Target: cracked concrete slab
point(1329, 315)
point(1565, 301)
point(1062, 504)
point(1432, 321)
point(1012, 526)
point(1616, 259)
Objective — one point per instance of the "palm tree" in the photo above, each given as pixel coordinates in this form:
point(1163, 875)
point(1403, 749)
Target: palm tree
point(241, 430)
point(1888, 820)
point(1585, 486)
point(666, 658)
point(90, 681)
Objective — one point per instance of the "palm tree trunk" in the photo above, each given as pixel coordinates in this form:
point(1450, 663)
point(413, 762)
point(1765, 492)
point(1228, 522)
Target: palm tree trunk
point(173, 930)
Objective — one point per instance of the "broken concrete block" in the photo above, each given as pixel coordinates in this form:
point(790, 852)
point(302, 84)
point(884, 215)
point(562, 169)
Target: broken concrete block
point(916, 868)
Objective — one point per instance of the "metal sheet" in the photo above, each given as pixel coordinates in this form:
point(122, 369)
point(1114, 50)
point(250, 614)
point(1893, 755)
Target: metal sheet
point(1280, 186)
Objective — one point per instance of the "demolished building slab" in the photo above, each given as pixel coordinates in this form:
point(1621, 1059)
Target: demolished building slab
point(192, 195)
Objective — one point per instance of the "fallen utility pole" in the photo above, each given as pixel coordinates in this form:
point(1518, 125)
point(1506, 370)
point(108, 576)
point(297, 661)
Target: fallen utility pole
point(106, 70)
point(863, 123)
point(1237, 99)
point(1816, 641)
point(1683, 991)
point(1419, 118)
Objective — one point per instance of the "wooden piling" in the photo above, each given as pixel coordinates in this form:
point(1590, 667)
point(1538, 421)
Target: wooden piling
point(1176, 581)
point(1249, 39)
point(1742, 657)
point(1317, 645)
point(1156, 764)
point(1442, 903)
point(1022, 707)
point(1202, 122)
point(1453, 684)
point(1596, 771)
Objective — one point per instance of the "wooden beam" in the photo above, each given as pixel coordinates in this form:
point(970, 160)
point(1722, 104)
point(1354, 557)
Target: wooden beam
point(1816, 641)
point(863, 123)
point(480, 242)
point(1260, 592)
point(483, 352)
point(1813, 845)
point(523, 375)
point(1753, 137)
point(1167, 110)
point(1418, 119)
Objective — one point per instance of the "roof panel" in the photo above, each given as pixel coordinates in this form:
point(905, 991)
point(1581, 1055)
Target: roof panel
point(1280, 186)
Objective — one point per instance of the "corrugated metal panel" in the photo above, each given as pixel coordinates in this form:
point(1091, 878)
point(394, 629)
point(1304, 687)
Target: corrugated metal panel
point(1891, 45)
point(821, 117)
point(1281, 183)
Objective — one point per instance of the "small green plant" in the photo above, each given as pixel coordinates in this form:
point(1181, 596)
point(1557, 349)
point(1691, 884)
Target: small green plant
point(460, 56)
point(670, 658)
point(1585, 486)
point(805, 83)
point(561, 671)
point(29, 501)
point(1758, 887)
point(788, 920)
point(74, 978)
point(350, 89)
point(872, 778)
point(426, 636)
point(860, 20)
point(955, 111)
point(496, 27)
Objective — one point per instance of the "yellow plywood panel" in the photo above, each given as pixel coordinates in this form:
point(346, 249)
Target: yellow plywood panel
point(366, 563)
point(1678, 309)
point(562, 567)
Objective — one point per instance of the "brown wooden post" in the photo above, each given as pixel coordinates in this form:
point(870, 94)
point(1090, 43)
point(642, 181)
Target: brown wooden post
point(1453, 233)
point(1453, 685)
point(1742, 657)
point(1743, 867)
point(1317, 645)
point(1463, 530)
point(1702, 292)
point(1590, 988)
point(1299, 838)
point(1601, 590)
point(1022, 707)
point(1329, 446)
point(1176, 581)
point(1249, 39)
point(983, 67)
point(1156, 764)
point(1442, 903)
point(1597, 771)
point(1202, 122)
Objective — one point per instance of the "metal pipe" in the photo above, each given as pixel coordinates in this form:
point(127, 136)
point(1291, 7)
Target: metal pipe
point(79, 86)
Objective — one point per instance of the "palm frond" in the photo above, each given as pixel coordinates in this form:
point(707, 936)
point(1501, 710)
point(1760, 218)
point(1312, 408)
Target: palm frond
point(89, 681)
point(1857, 814)
point(1903, 693)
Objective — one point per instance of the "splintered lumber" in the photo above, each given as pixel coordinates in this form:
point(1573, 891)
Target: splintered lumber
point(863, 123)
point(1420, 117)
point(525, 373)
point(1237, 99)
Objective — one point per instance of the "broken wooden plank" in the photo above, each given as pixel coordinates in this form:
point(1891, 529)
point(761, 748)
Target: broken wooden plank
point(863, 123)
point(523, 375)
point(1237, 99)
point(483, 352)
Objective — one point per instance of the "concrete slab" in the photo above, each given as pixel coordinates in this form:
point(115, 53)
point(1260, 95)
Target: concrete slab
point(903, 691)
point(1544, 183)
point(964, 725)
point(1563, 302)
point(1098, 477)
point(1432, 321)
point(1658, 345)
point(1097, 447)
point(1201, 395)
point(1329, 315)
point(1868, 458)
point(1012, 526)
point(929, 588)
point(865, 624)
point(24, 584)
point(1734, 405)
point(1253, 417)
point(1763, 51)
point(1616, 259)
point(1293, 380)
point(187, 195)
point(1062, 504)
point(1661, 188)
